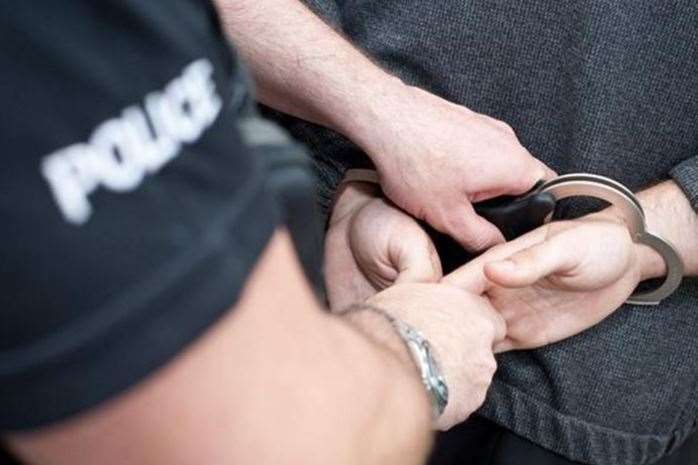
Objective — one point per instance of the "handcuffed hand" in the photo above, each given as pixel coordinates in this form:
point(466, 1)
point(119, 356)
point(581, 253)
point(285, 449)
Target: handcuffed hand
point(371, 245)
point(557, 280)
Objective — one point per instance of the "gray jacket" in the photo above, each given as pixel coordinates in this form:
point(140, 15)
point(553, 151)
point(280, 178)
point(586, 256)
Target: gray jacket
point(601, 86)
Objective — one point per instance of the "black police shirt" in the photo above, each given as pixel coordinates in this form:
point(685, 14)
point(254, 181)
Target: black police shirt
point(132, 208)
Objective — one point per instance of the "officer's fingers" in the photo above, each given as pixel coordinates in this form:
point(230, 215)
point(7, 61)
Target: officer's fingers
point(496, 319)
point(548, 173)
point(469, 229)
point(469, 277)
point(521, 175)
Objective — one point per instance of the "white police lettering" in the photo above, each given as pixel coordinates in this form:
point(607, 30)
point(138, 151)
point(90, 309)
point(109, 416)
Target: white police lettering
point(122, 150)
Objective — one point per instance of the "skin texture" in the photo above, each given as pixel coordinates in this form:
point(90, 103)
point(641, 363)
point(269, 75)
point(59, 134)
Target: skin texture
point(555, 282)
point(434, 157)
point(364, 256)
point(442, 157)
point(388, 249)
point(279, 381)
point(462, 341)
point(549, 284)
point(566, 277)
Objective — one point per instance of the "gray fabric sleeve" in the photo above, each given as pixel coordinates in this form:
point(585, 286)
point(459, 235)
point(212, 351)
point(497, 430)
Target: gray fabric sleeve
point(686, 176)
point(332, 154)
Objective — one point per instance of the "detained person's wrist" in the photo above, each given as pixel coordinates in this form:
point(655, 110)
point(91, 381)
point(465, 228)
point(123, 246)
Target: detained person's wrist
point(649, 263)
point(670, 215)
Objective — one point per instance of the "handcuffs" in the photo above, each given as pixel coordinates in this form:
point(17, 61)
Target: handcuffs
point(515, 216)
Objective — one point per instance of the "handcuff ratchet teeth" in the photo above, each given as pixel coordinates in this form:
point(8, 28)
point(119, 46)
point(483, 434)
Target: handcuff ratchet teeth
point(515, 216)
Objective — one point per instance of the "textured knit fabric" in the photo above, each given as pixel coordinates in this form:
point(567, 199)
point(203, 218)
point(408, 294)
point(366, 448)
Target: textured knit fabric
point(601, 86)
point(482, 442)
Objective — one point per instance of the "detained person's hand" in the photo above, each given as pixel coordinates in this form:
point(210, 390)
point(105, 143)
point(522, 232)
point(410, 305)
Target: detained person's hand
point(435, 158)
point(378, 254)
point(371, 245)
point(557, 280)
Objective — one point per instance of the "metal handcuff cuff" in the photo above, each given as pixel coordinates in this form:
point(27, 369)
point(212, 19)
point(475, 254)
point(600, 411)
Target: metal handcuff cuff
point(515, 216)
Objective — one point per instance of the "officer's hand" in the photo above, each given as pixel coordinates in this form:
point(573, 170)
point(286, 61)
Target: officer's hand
point(435, 158)
point(371, 245)
point(462, 329)
point(557, 280)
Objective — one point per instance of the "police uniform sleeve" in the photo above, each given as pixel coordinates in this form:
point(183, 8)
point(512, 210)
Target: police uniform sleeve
point(132, 209)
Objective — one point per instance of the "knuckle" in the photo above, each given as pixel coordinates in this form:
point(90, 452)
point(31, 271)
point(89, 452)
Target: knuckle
point(480, 395)
point(487, 328)
point(490, 367)
point(439, 219)
point(500, 328)
point(530, 171)
point(483, 369)
point(477, 239)
point(496, 250)
point(475, 243)
point(497, 124)
point(486, 364)
point(505, 127)
point(436, 269)
point(524, 257)
point(487, 367)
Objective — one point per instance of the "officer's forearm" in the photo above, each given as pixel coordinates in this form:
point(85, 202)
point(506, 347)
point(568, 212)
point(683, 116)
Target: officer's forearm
point(303, 67)
point(276, 381)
